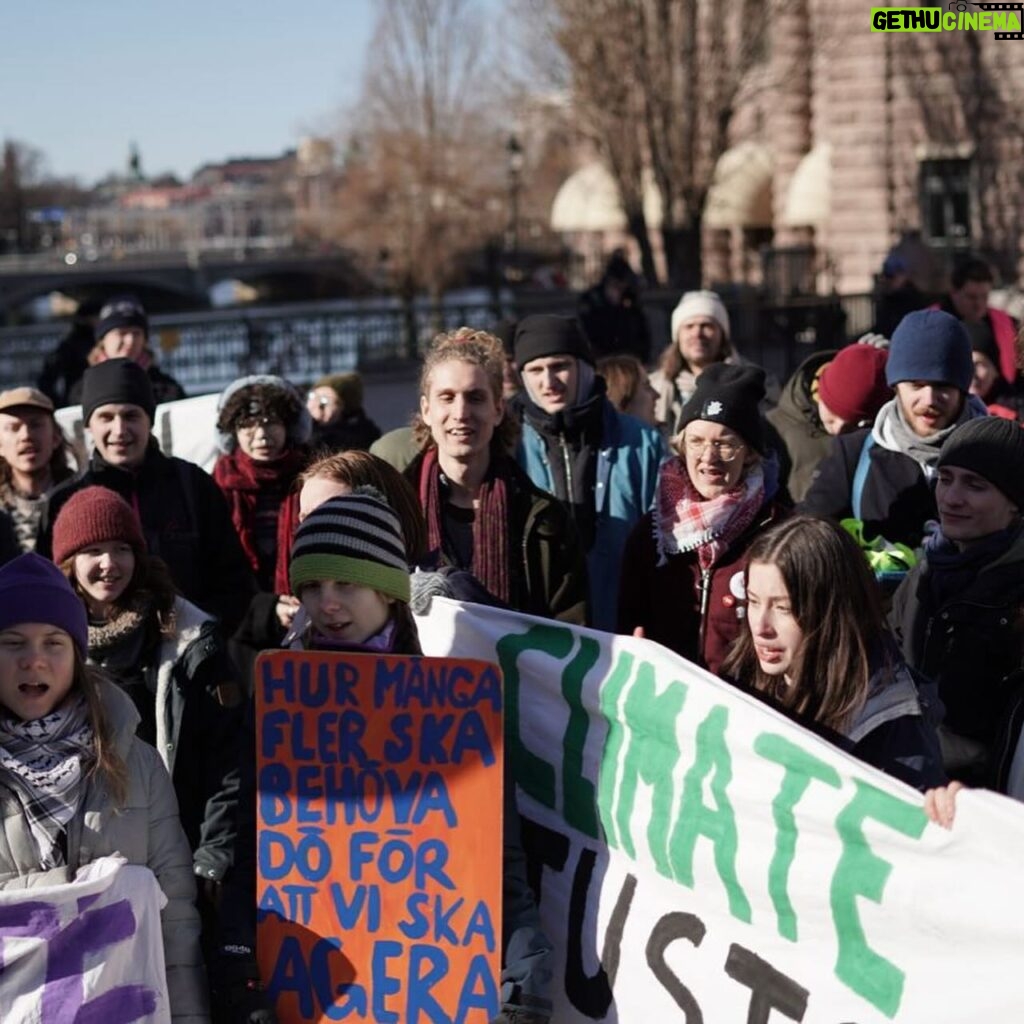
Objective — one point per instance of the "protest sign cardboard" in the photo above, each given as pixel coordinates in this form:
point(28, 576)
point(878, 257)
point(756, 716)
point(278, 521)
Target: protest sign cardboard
point(379, 836)
point(700, 857)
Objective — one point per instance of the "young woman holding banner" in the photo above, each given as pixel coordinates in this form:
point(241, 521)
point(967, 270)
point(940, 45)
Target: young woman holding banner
point(75, 782)
point(816, 647)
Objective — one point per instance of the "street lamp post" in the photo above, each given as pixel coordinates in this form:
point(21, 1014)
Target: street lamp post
point(514, 155)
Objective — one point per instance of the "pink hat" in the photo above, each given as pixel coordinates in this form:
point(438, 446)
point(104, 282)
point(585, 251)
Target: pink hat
point(853, 385)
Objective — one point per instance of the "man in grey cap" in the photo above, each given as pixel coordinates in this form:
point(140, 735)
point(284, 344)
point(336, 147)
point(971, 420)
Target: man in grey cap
point(34, 457)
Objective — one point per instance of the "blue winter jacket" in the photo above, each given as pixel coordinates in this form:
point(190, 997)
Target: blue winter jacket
point(628, 460)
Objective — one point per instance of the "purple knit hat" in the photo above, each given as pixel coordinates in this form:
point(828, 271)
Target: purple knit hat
point(33, 589)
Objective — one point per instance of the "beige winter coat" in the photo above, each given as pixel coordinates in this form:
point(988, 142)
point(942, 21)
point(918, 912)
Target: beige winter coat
point(145, 831)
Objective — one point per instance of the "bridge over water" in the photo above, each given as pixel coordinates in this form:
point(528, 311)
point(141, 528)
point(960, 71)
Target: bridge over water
point(181, 279)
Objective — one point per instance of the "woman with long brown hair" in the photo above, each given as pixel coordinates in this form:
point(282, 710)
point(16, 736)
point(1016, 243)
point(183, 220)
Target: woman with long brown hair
point(816, 646)
point(76, 784)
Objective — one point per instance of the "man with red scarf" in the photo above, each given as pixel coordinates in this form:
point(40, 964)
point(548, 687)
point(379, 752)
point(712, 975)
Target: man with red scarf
point(483, 514)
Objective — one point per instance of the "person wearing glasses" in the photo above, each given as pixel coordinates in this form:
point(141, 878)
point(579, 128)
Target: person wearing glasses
point(263, 430)
point(682, 581)
point(340, 423)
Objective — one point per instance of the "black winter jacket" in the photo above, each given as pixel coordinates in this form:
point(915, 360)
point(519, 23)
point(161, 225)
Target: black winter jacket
point(972, 646)
point(896, 501)
point(186, 522)
point(198, 719)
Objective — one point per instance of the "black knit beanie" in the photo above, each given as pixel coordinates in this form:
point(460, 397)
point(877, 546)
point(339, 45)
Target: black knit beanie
point(993, 448)
point(729, 395)
point(120, 381)
point(543, 335)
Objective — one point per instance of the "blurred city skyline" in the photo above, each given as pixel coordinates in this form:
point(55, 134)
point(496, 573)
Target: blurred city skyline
point(188, 84)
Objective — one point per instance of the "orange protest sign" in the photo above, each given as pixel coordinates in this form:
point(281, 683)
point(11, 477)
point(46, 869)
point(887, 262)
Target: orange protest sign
point(379, 836)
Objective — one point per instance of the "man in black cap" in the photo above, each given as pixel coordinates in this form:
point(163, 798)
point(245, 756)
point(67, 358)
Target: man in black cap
point(600, 463)
point(122, 332)
point(184, 516)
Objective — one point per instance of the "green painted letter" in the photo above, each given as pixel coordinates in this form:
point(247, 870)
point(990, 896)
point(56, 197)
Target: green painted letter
point(696, 818)
point(533, 773)
point(801, 768)
point(861, 873)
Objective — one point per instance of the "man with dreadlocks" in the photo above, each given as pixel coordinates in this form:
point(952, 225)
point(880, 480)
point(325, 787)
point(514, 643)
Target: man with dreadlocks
point(483, 513)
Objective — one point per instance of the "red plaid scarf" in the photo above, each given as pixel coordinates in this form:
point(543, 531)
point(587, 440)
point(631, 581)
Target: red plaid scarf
point(491, 563)
point(684, 521)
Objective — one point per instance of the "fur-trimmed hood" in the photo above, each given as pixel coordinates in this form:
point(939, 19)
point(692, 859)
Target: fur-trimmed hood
point(298, 432)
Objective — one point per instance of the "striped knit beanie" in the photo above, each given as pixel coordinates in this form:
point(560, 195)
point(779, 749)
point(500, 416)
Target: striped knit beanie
point(355, 538)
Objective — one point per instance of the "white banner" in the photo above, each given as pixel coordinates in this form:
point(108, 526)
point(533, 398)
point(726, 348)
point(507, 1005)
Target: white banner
point(701, 858)
point(88, 951)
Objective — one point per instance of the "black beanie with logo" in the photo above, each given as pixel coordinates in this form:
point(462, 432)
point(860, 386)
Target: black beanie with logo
point(730, 395)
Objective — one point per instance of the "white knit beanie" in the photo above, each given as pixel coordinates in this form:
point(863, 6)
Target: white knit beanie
point(703, 303)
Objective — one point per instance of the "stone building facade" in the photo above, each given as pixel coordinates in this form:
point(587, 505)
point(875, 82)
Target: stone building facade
point(881, 140)
point(849, 143)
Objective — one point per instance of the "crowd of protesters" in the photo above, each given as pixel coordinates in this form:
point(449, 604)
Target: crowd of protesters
point(544, 471)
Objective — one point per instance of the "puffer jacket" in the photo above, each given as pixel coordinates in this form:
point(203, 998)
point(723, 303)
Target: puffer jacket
point(146, 831)
point(802, 442)
point(971, 645)
point(196, 734)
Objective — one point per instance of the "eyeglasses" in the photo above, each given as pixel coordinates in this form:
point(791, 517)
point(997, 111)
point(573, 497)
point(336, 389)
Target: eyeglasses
point(252, 422)
point(321, 401)
point(725, 451)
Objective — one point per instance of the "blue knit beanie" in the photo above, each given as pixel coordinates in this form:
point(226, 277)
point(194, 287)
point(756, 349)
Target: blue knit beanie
point(932, 346)
point(33, 589)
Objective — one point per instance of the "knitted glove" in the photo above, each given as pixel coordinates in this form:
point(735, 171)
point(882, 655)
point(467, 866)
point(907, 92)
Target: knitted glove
point(238, 994)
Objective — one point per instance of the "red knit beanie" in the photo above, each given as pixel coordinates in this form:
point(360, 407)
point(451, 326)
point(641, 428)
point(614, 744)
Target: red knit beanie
point(853, 385)
point(91, 516)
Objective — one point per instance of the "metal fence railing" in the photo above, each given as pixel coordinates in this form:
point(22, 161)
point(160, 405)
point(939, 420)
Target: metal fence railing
point(207, 350)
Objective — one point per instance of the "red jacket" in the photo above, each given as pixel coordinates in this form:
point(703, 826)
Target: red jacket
point(1004, 330)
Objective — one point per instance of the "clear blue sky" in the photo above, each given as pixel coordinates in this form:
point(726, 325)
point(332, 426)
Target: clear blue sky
point(188, 81)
